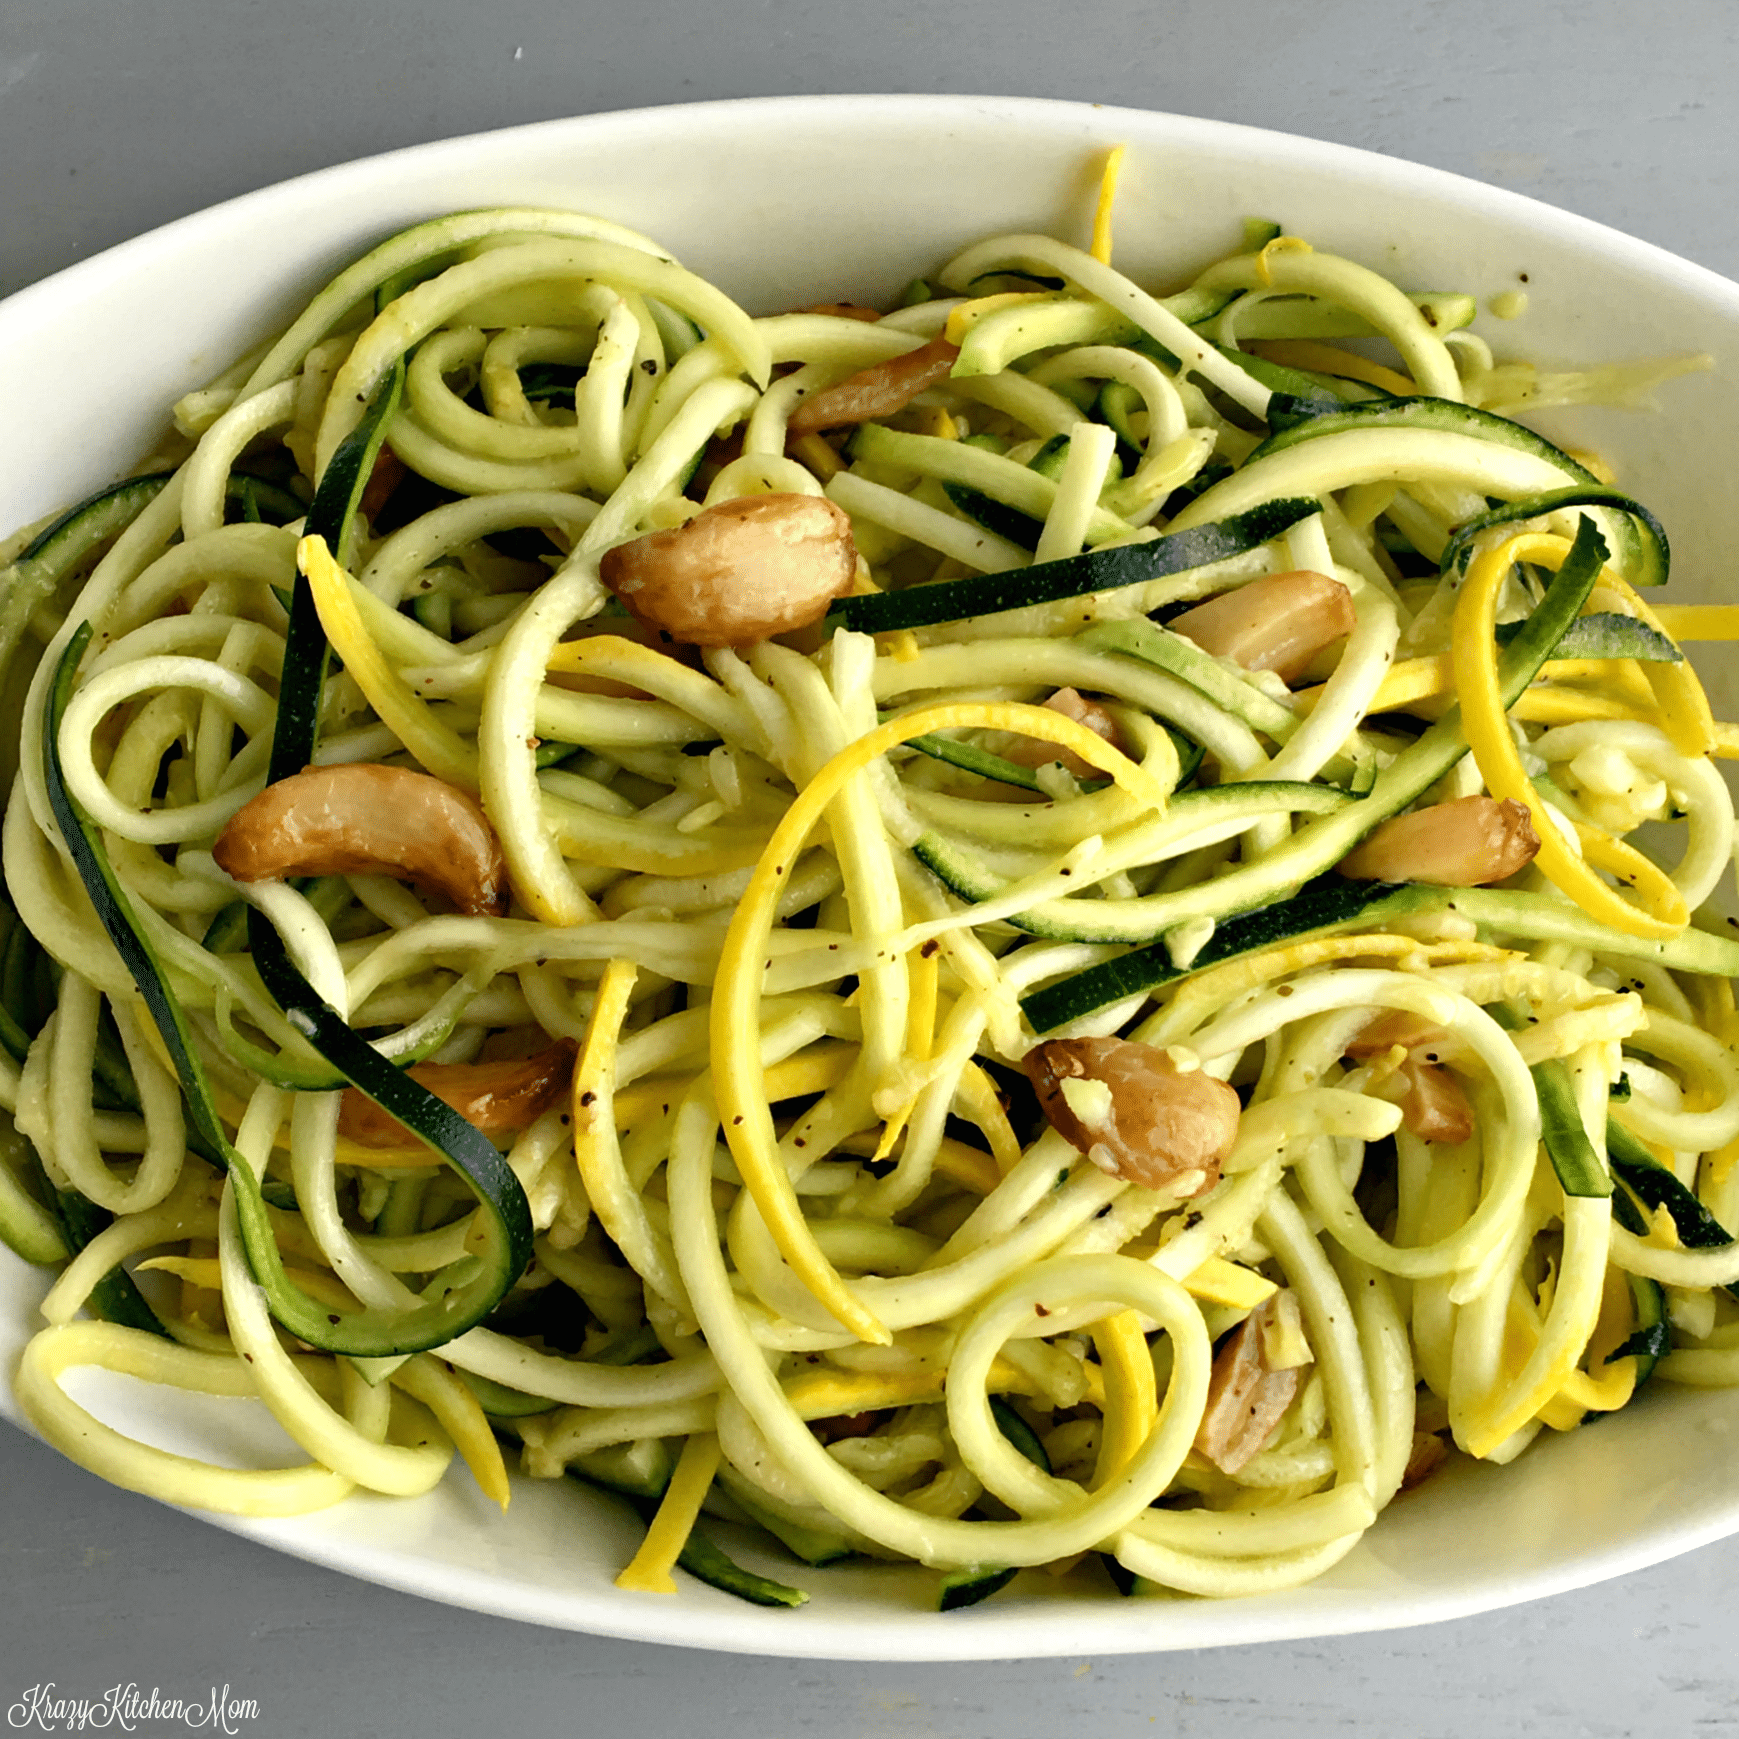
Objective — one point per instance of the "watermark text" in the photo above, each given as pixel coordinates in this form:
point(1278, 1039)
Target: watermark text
point(46, 1708)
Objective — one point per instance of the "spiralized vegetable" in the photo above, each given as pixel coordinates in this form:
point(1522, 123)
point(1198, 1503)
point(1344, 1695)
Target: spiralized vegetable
point(788, 914)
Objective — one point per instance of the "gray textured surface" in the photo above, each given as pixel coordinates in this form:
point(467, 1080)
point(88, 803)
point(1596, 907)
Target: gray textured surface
point(116, 115)
point(108, 1589)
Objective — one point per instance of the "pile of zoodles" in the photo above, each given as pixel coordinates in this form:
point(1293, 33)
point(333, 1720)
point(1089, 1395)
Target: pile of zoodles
point(1007, 933)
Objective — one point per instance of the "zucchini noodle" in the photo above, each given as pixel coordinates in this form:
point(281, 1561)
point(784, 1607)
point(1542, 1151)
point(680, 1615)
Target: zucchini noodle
point(693, 1029)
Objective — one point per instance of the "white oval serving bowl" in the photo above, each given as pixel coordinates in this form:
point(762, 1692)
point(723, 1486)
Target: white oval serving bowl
point(786, 202)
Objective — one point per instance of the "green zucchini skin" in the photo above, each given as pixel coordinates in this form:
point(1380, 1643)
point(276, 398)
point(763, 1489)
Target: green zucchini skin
point(988, 283)
point(1332, 904)
point(701, 1557)
point(1176, 656)
point(1567, 1145)
point(41, 568)
point(477, 1283)
point(27, 988)
point(227, 932)
point(1572, 1154)
point(330, 517)
point(1190, 755)
point(1307, 317)
point(293, 745)
point(631, 1346)
point(30, 1226)
point(1295, 421)
point(976, 1582)
point(501, 1402)
point(1215, 471)
point(60, 546)
point(640, 1469)
point(553, 754)
point(1642, 546)
point(1653, 1337)
point(1324, 906)
point(1102, 570)
point(116, 1297)
point(969, 758)
point(1113, 405)
point(1655, 552)
point(972, 759)
point(1385, 440)
point(551, 383)
point(1654, 1186)
point(395, 1092)
point(1295, 388)
point(1065, 920)
point(997, 516)
point(258, 497)
point(1543, 918)
point(22, 1009)
point(707, 1562)
point(1019, 1433)
point(1292, 871)
point(813, 1545)
point(1049, 460)
point(467, 1293)
point(1606, 634)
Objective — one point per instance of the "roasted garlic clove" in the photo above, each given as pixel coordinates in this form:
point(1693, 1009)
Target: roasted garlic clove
point(358, 819)
point(1465, 843)
point(739, 572)
point(1277, 623)
point(1134, 1113)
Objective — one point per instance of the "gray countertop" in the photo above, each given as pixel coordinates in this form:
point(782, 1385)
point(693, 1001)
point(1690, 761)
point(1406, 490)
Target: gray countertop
point(116, 117)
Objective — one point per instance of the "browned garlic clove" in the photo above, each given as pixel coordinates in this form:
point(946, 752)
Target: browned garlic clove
point(365, 820)
point(1277, 623)
point(1465, 843)
point(1135, 1113)
point(1434, 1105)
point(498, 1097)
point(739, 572)
point(1247, 1396)
point(875, 392)
point(1072, 704)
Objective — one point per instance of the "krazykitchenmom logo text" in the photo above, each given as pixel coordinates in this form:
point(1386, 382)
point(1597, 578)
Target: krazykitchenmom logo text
point(48, 1709)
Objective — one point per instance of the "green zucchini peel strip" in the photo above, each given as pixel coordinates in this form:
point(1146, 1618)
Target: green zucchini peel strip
point(1100, 570)
point(1656, 554)
point(476, 1285)
point(1567, 1145)
point(1655, 1187)
point(1291, 874)
point(465, 1293)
